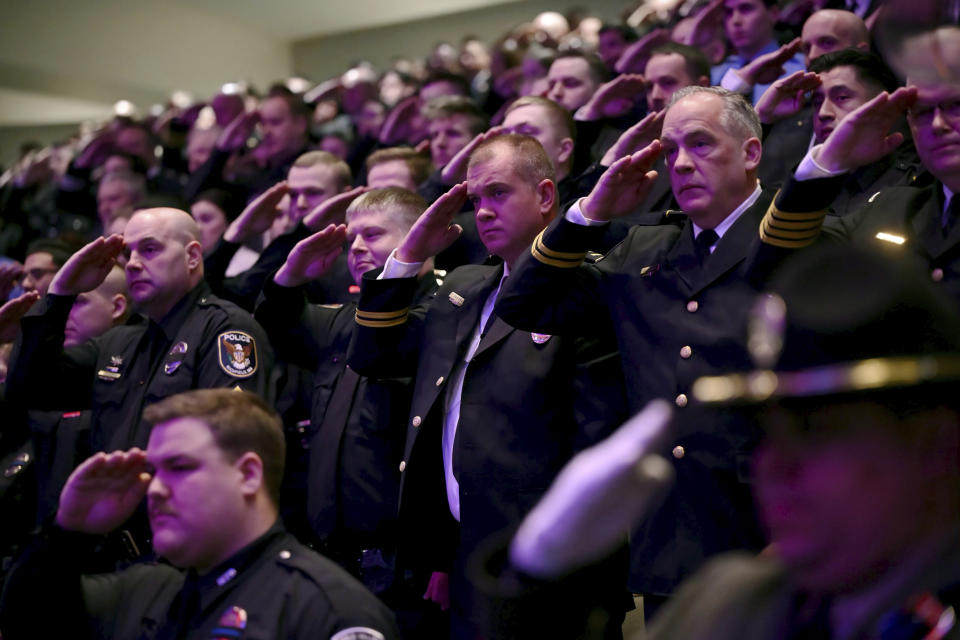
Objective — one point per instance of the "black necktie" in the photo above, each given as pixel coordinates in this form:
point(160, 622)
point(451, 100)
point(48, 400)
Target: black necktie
point(950, 215)
point(703, 243)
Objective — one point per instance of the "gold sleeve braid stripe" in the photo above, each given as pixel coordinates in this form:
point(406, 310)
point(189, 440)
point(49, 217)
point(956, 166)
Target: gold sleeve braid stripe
point(790, 230)
point(546, 255)
point(381, 319)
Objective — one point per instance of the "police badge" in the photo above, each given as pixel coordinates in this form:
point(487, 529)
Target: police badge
point(238, 353)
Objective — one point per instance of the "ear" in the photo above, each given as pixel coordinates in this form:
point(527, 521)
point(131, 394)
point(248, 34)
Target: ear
point(547, 196)
point(752, 149)
point(566, 150)
point(120, 305)
point(250, 467)
point(194, 255)
point(703, 81)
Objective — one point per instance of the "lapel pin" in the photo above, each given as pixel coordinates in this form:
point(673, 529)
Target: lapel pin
point(540, 338)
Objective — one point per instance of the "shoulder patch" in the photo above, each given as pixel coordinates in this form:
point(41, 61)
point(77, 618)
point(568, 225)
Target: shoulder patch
point(357, 633)
point(237, 351)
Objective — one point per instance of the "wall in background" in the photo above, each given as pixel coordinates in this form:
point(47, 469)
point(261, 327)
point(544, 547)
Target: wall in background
point(324, 57)
point(113, 49)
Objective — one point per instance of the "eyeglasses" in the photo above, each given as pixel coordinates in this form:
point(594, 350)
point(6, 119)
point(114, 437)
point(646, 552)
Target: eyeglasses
point(923, 115)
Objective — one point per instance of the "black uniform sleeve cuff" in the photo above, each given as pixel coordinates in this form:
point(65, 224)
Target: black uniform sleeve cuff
point(564, 244)
point(384, 303)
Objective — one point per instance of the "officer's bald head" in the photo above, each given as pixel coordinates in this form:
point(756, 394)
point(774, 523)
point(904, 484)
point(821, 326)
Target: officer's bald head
point(831, 30)
point(176, 222)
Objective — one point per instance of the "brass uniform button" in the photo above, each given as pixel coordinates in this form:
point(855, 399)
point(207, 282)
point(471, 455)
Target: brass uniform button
point(403, 465)
point(416, 421)
point(681, 400)
point(936, 275)
point(679, 452)
point(439, 381)
point(692, 306)
point(686, 352)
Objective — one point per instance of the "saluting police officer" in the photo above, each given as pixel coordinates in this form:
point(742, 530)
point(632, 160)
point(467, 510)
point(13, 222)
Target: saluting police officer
point(211, 476)
point(192, 340)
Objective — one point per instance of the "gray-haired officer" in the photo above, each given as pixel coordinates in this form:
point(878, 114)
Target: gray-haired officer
point(211, 476)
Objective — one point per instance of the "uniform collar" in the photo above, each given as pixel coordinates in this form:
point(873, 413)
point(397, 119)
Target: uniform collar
point(214, 582)
point(170, 324)
point(724, 226)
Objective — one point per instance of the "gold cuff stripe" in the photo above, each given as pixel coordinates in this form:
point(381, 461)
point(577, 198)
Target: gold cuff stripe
point(795, 215)
point(791, 235)
point(382, 315)
point(782, 224)
point(553, 258)
point(380, 324)
point(563, 264)
point(773, 240)
point(559, 255)
point(790, 230)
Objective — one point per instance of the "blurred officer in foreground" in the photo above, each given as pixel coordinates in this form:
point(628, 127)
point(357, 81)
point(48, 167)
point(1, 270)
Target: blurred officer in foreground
point(211, 475)
point(856, 481)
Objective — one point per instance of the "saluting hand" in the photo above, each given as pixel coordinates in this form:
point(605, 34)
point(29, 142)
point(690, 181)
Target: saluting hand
point(432, 232)
point(312, 257)
point(635, 138)
point(635, 57)
point(769, 66)
point(613, 99)
point(236, 133)
point(332, 210)
point(456, 170)
point(12, 311)
point(597, 498)
point(623, 186)
point(861, 138)
point(258, 216)
point(785, 97)
point(87, 268)
point(103, 492)
point(398, 127)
